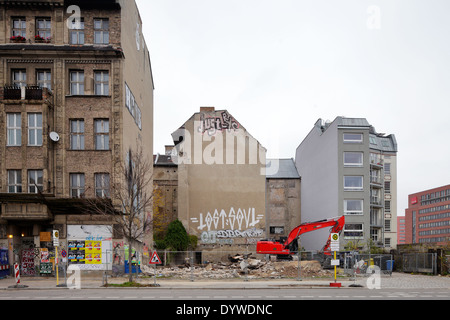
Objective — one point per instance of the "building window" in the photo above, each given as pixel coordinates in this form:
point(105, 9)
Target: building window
point(101, 31)
point(353, 183)
point(35, 129)
point(387, 168)
point(101, 83)
point(77, 185)
point(77, 134)
point(76, 33)
point(387, 187)
point(353, 137)
point(35, 181)
point(44, 79)
point(353, 207)
point(102, 183)
point(387, 206)
point(14, 128)
point(387, 225)
point(19, 27)
point(77, 83)
point(276, 230)
point(14, 181)
point(19, 78)
point(353, 159)
point(353, 231)
point(44, 28)
point(101, 128)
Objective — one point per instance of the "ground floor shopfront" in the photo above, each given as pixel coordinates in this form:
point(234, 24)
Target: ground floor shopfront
point(89, 242)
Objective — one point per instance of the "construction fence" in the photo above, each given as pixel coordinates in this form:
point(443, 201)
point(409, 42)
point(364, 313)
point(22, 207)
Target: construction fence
point(222, 264)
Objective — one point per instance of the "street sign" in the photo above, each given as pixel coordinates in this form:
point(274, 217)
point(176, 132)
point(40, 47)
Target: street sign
point(334, 245)
point(64, 253)
point(155, 259)
point(55, 238)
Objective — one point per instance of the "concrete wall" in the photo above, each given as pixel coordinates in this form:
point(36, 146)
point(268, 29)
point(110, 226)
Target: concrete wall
point(317, 165)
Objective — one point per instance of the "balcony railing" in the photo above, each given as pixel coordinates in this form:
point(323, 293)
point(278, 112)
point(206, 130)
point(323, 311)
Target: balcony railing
point(25, 93)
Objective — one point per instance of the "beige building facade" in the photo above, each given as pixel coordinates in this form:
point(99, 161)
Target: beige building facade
point(221, 181)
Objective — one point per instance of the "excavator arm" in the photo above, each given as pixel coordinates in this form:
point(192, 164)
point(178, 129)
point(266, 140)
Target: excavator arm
point(278, 248)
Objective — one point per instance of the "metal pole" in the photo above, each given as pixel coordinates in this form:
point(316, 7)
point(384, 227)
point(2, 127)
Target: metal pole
point(192, 266)
point(299, 265)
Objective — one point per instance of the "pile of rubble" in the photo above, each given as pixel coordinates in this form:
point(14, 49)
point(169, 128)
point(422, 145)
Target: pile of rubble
point(240, 266)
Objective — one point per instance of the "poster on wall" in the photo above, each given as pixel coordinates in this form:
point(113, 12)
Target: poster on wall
point(89, 247)
point(28, 262)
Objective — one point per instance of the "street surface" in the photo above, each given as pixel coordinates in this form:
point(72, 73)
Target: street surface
point(226, 294)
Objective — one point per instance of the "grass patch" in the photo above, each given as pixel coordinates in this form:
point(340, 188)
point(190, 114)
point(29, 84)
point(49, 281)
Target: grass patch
point(130, 285)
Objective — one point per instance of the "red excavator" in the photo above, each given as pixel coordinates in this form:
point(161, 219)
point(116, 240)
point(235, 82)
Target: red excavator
point(285, 250)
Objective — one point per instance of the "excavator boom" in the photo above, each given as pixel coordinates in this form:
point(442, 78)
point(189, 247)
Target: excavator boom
point(278, 248)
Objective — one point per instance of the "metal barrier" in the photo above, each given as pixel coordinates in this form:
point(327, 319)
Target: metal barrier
point(357, 264)
point(420, 262)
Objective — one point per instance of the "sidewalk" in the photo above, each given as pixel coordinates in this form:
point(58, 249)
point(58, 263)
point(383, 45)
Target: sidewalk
point(96, 283)
point(396, 281)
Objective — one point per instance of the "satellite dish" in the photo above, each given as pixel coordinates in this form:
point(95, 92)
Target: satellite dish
point(54, 137)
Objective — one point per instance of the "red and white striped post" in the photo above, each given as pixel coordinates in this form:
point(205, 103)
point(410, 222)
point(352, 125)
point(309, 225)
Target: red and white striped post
point(17, 273)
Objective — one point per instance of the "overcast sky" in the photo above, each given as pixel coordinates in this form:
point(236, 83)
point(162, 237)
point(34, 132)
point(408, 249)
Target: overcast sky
point(279, 65)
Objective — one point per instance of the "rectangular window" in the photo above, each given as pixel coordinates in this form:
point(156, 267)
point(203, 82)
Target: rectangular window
point(101, 128)
point(101, 31)
point(353, 159)
point(44, 79)
point(387, 206)
point(35, 129)
point(101, 83)
point(353, 207)
point(14, 181)
point(77, 83)
point(77, 185)
point(35, 181)
point(102, 185)
point(19, 27)
point(19, 78)
point(387, 225)
point(353, 183)
point(44, 28)
point(387, 187)
point(77, 134)
point(14, 129)
point(353, 231)
point(353, 137)
point(76, 33)
point(387, 168)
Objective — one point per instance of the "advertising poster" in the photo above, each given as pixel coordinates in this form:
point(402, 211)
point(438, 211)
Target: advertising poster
point(88, 247)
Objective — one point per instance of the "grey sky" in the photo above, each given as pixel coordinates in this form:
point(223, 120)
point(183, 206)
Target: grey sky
point(279, 65)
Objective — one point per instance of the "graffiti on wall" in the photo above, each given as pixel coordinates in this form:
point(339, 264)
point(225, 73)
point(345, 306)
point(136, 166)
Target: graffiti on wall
point(211, 125)
point(224, 226)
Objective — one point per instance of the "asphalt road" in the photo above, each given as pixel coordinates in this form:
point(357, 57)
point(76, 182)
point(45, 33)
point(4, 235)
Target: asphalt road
point(287, 294)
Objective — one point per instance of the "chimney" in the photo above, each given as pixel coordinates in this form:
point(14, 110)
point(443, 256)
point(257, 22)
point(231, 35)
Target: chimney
point(169, 150)
point(207, 109)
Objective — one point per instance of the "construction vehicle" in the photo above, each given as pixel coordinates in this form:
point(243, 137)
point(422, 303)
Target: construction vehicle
point(284, 250)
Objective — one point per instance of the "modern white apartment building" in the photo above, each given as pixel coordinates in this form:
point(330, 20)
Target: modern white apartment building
point(347, 168)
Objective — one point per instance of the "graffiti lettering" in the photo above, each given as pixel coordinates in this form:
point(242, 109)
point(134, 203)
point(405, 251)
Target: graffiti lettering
point(214, 124)
point(233, 220)
point(227, 236)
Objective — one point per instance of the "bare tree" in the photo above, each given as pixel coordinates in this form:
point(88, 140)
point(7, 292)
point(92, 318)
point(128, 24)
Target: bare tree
point(130, 200)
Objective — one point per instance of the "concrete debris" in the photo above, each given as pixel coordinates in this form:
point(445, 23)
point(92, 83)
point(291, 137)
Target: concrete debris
point(240, 266)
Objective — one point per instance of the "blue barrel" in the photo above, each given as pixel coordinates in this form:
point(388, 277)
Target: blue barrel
point(134, 267)
point(390, 265)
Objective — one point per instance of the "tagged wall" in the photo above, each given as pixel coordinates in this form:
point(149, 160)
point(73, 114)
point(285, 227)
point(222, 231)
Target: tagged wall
point(221, 180)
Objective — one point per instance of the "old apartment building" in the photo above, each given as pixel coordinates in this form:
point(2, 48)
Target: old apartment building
point(76, 95)
point(347, 168)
